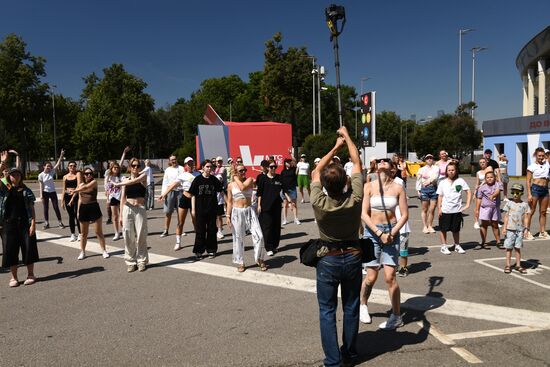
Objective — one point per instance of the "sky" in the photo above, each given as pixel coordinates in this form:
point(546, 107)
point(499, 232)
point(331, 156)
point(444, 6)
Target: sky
point(407, 48)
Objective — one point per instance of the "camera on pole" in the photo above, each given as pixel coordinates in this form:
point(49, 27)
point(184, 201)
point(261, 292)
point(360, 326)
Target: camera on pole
point(333, 14)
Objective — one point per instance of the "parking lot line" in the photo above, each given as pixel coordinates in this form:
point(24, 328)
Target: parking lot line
point(494, 332)
point(522, 277)
point(436, 333)
point(467, 356)
point(418, 302)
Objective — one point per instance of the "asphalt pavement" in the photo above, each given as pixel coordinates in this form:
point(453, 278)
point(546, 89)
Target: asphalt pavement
point(458, 309)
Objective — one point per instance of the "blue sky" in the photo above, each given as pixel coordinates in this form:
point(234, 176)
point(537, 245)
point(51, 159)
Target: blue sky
point(409, 48)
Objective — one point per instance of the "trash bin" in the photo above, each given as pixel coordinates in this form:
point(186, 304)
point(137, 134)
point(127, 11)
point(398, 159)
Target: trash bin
point(413, 167)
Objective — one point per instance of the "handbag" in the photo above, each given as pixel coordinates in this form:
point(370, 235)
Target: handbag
point(312, 251)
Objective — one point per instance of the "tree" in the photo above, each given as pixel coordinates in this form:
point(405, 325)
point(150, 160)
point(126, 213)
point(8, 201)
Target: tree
point(457, 134)
point(117, 112)
point(318, 145)
point(391, 129)
point(23, 95)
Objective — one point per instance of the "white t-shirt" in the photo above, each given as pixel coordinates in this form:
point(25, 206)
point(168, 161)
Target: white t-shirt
point(539, 170)
point(406, 227)
point(303, 168)
point(348, 167)
point(150, 178)
point(47, 181)
point(451, 192)
point(186, 178)
point(170, 176)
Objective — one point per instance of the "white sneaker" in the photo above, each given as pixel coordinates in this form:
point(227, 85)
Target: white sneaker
point(459, 249)
point(445, 250)
point(106, 255)
point(393, 322)
point(302, 201)
point(81, 256)
point(220, 235)
point(425, 230)
point(284, 222)
point(164, 234)
point(364, 316)
point(79, 237)
point(270, 253)
point(183, 234)
point(431, 230)
point(73, 237)
point(476, 225)
point(296, 221)
point(116, 237)
point(177, 247)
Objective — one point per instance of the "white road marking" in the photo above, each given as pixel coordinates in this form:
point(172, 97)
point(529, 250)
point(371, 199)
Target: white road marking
point(467, 356)
point(436, 333)
point(523, 277)
point(494, 332)
point(418, 302)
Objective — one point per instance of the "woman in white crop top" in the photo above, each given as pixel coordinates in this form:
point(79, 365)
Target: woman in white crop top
point(537, 183)
point(380, 199)
point(241, 216)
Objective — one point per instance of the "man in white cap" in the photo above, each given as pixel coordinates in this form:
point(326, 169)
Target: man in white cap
point(302, 170)
point(221, 174)
point(171, 200)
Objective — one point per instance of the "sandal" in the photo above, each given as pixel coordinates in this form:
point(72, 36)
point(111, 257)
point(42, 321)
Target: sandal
point(241, 268)
point(520, 270)
point(507, 270)
point(14, 283)
point(30, 280)
point(262, 265)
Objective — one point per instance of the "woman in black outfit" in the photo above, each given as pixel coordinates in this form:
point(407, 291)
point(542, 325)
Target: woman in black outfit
point(70, 199)
point(19, 226)
point(289, 179)
point(269, 207)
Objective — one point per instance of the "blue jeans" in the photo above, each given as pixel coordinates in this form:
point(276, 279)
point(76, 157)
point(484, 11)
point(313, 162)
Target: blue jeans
point(344, 270)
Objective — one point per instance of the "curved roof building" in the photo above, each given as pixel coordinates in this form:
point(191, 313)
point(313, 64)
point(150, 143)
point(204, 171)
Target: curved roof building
point(533, 62)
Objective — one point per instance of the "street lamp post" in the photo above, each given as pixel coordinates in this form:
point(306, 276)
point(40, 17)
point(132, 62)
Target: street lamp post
point(54, 127)
point(474, 51)
point(364, 79)
point(313, 72)
point(460, 33)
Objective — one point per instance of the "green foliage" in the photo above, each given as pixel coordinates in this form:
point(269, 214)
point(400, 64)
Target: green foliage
point(391, 129)
point(457, 134)
point(316, 146)
point(117, 112)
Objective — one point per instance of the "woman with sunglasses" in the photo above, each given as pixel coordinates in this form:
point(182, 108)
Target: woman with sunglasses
point(18, 222)
point(537, 193)
point(70, 200)
point(241, 217)
point(269, 207)
point(113, 196)
point(503, 171)
point(89, 212)
point(134, 217)
point(289, 179)
point(380, 200)
point(204, 205)
point(47, 190)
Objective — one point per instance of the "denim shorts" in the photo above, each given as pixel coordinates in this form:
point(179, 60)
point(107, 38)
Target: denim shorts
point(292, 194)
point(384, 254)
point(539, 191)
point(514, 239)
point(428, 193)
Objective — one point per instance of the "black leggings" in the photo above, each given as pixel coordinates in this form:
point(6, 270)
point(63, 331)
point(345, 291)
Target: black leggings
point(71, 211)
point(46, 196)
point(205, 232)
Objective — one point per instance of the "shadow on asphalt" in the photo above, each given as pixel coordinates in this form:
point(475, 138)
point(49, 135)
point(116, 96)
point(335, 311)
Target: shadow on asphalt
point(415, 251)
point(59, 259)
point(372, 344)
point(418, 267)
point(72, 274)
point(279, 261)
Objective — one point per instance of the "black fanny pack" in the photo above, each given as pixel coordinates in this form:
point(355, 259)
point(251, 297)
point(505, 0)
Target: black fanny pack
point(314, 249)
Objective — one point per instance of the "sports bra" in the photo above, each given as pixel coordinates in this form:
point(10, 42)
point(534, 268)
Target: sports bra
point(502, 164)
point(377, 206)
point(481, 176)
point(135, 191)
point(70, 184)
point(238, 194)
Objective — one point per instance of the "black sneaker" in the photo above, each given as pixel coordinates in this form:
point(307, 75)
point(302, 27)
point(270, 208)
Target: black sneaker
point(403, 272)
point(198, 256)
point(211, 255)
point(109, 221)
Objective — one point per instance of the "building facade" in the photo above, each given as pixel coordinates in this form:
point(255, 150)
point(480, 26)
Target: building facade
point(518, 137)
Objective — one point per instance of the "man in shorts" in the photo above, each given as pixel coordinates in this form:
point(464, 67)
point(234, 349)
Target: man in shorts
point(171, 201)
point(302, 170)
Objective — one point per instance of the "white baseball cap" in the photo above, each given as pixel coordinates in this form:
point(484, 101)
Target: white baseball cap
point(188, 159)
point(317, 160)
point(219, 158)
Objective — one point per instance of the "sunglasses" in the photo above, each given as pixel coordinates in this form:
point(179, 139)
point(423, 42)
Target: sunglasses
point(240, 162)
point(87, 173)
point(208, 166)
point(385, 160)
point(135, 166)
point(72, 165)
point(273, 167)
point(243, 170)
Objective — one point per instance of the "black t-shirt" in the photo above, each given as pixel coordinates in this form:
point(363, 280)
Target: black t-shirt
point(289, 179)
point(15, 205)
point(269, 190)
point(205, 190)
point(492, 163)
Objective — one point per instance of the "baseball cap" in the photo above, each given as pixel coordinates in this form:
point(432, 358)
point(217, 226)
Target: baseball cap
point(15, 169)
point(518, 187)
point(428, 156)
point(336, 157)
point(188, 159)
point(229, 160)
point(219, 158)
point(317, 160)
point(303, 156)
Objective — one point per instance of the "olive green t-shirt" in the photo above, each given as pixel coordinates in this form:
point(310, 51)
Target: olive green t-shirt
point(338, 219)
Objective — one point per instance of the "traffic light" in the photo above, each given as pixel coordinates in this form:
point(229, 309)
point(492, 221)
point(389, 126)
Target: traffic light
point(368, 119)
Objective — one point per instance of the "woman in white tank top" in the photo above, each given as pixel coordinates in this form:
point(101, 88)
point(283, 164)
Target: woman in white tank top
point(241, 216)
